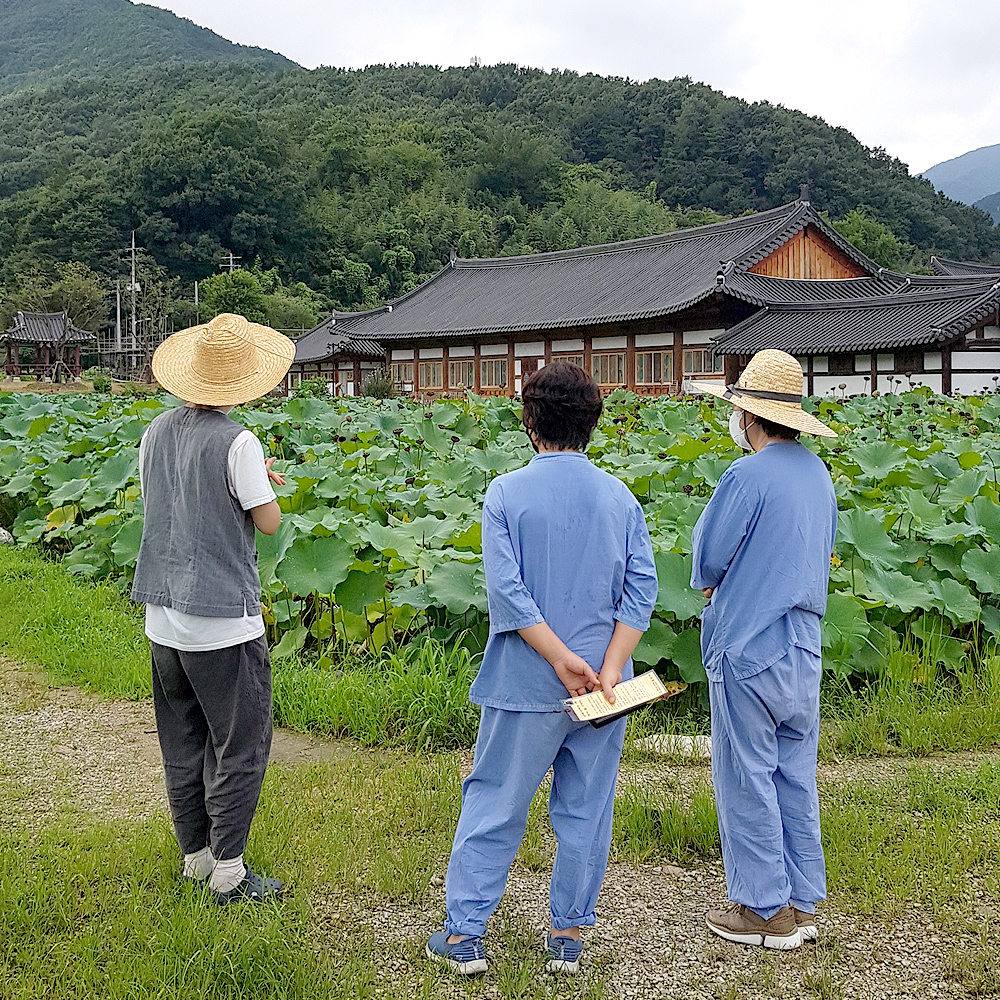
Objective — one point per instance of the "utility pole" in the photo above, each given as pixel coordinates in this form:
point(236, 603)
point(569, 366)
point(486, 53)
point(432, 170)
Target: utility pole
point(133, 288)
point(231, 262)
point(197, 310)
point(118, 317)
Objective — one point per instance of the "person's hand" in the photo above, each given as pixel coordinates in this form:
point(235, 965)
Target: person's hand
point(276, 477)
point(576, 674)
point(610, 677)
point(708, 591)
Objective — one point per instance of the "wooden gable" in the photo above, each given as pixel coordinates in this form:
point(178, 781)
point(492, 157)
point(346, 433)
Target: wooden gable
point(808, 254)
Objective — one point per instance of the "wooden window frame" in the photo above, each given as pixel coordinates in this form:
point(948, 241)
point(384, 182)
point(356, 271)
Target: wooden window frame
point(457, 382)
point(708, 356)
point(425, 368)
point(597, 359)
point(491, 365)
point(398, 373)
point(573, 359)
point(666, 366)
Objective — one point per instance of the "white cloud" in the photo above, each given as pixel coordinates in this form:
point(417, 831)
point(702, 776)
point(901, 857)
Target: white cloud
point(919, 78)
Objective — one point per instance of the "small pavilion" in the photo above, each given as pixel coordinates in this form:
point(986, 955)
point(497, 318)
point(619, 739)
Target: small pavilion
point(55, 340)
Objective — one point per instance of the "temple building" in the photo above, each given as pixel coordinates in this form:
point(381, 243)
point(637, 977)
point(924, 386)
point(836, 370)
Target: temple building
point(55, 343)
point(659, 314)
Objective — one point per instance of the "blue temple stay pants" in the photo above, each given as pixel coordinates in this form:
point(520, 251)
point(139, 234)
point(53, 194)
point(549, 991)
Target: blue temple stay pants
point(514, 750)
point(765, 735)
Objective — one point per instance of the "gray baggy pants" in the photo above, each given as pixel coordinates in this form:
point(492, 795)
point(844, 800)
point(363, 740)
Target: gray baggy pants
point(213, 716)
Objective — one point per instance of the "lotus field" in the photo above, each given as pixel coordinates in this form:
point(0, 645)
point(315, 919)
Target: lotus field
point(380, 540)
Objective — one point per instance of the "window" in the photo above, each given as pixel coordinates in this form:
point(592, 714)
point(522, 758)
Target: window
point(402, 373)
point(573, 359)
point(494, 373)
point(840, 364)
point(461, 374)
point(431, 374)
point(702, 361)
point(608, 369)
point(654, 367)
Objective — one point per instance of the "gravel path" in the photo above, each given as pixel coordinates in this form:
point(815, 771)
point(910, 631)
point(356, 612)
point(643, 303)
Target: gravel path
point(651, 941)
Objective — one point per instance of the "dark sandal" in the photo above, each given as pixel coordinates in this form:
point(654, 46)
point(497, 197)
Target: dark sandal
point(253, 889)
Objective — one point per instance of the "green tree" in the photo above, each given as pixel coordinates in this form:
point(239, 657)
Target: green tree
point(878, 241)
point(237, 292)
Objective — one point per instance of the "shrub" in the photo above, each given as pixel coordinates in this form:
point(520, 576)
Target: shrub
point(314, 387)
point(378, 384)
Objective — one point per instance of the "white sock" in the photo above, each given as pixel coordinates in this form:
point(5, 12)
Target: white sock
point(228, 874)
point(200, 864)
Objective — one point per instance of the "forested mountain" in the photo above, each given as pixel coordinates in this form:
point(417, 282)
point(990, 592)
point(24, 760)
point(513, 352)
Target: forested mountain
point(44, 41)
point(969, 177)
point(991, 206)
point(358, 183)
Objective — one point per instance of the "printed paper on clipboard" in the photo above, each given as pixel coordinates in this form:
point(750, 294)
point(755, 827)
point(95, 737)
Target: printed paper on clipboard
point(629, 696)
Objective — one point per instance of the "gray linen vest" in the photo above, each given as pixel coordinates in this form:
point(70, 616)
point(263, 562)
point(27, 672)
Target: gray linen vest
point(198, 553)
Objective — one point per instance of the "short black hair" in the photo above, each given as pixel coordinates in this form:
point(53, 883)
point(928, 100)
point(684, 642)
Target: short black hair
point(771, 429)
point(562, 405)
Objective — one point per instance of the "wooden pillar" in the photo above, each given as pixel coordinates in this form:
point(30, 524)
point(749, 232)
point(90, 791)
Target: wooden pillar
point(76, 362)
point(477, 373)
point(445, 380)
point(9, 369)
point(810, 385)
point(946, 369)
point(357, 376)
point(731, 369)
point(874, 371)
point(679, 359)
point(510, 368)
point(548, 351)
point(630, 361)
point(587, 366)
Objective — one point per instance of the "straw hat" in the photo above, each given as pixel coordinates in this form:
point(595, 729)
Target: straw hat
point(224, 362)
point(771, 387)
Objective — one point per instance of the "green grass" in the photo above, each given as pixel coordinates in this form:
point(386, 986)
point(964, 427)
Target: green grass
point(417, 696)
point(96, 909)
point(81, 633)
point(914, 708)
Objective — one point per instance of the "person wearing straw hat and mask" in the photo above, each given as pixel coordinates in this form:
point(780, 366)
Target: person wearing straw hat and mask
point(206, 487)
point(761, 556)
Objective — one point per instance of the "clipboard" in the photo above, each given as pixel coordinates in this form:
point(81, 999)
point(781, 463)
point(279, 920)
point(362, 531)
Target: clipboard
point(630, 696)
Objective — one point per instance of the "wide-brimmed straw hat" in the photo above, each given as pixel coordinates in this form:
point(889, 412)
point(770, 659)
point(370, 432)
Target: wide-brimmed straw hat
point(224, 362)
point(771, 387)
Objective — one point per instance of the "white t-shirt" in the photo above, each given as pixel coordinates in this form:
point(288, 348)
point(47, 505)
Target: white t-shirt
point(249, 485)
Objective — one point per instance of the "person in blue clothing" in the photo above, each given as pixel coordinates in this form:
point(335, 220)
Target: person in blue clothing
point(571, 585)
point(762, 550)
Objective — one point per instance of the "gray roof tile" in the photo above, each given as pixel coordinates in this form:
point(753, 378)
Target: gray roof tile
point(45, 328)
point(909, 317)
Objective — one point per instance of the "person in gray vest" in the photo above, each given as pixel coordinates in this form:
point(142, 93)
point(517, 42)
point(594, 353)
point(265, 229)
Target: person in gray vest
point(205, 488)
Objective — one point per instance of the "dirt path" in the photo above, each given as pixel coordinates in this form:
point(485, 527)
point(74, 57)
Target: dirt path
point(651, 941)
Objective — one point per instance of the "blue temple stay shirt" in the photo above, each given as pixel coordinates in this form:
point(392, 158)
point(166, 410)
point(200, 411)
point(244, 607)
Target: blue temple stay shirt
point(764, 543)
point(565, 543)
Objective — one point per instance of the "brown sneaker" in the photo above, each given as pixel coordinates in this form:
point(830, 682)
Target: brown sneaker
point(806, 923)
point(740, 924)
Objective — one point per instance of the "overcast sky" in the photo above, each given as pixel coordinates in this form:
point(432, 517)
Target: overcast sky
point(920, 78)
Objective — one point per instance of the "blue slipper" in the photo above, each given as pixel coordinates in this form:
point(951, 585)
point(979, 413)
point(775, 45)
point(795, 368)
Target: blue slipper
point(253, 889)
point(466, 957)
point(563, 953)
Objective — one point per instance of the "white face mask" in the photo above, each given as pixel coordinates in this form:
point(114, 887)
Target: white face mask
point(736, 431)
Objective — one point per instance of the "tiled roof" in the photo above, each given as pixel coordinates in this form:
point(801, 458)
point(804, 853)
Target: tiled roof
point(45, 328)
point(911, 316)
point(941, 265)
point(763, 290)
point(637, 279)
point(329, 340)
